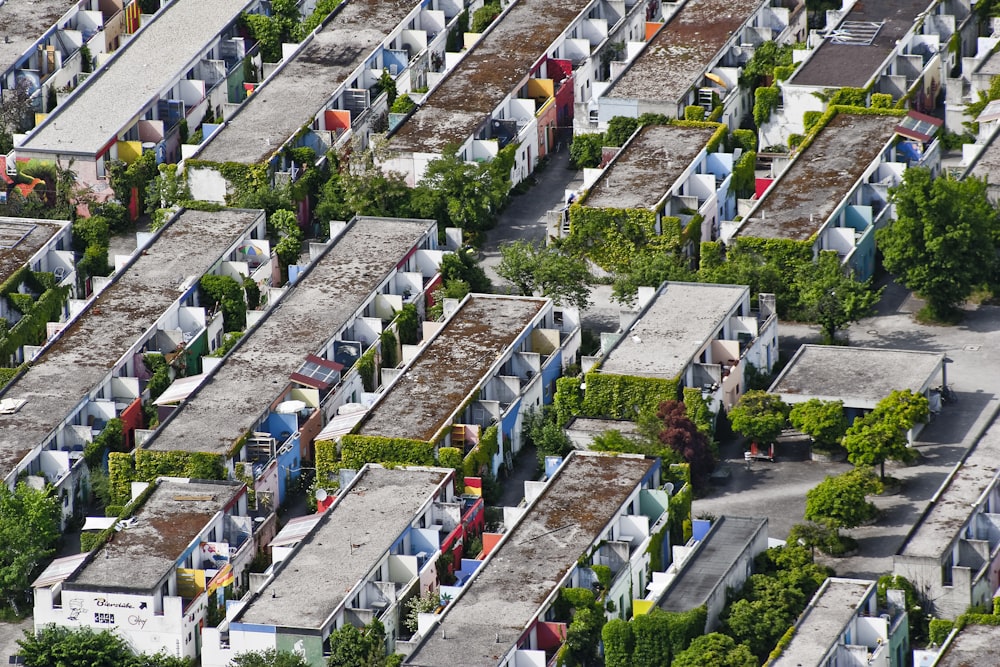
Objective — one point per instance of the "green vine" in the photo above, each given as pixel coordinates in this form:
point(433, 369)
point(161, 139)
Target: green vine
point(479, 458)
point(357, 450)
point(390, 349)
point(626, 396)
point(366, 369)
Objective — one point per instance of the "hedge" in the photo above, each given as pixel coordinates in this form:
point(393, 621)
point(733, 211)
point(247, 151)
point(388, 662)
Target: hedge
point(679, 516)
point(451, 457)
point(618, 643)
point(121, 472)
point(242, 178)
point(766, 100)
point(780, 647)
point(716, 140)
point(408, 325)
point(357, 450)
point(327, 461)
point(567, 401)
point(150, 464)
point(88, 541)
point(744, 174)
point(626, 396)
point(481, 456)
point(366, 369)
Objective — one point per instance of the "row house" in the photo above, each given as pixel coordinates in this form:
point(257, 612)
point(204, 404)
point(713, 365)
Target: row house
point(158, 574)
point(694, 335)
point(93, 370)
point(952, 553)
point(704, 573)
point(665, 171)
point(494, 359)
point(984, 163)
point(972, 645)
point(845, 625)
point(834, 194)
point(328, 91)
point(551, 53)
point(902, 48)
point(595, 512)
point(295, 369)
point(970, 80)
point(860, 377)
point(51, 66)
point(696, 59)
point(175, 68)
point(376, 547)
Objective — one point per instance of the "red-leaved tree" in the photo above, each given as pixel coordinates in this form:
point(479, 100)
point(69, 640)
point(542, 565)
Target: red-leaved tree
point(682, 436)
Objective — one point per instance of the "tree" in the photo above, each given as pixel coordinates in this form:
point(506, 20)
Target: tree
point(840, 499)
point(547, 270)
point(387, 84)
point(483, 17)
point(167, 189)
point(715, 650)
point(456, 193)
point(942, 244)
point(462, 265)
point(60, 646)
point(650, 269)
point(586, 150)
point(759, 416)
point(268, 658)
point(353, 647)
point(15, 112)
point(283, 227)
point(831, 297)
point(881, 434)
point(29, 530)
point(682, 436)
point(225, 293)
point(620, 128)
point(824, 421)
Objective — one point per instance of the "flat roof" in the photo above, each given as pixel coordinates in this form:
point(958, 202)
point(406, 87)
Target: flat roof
point(821, 624)
point(89, 347)
point(647, 166)
point(678, 54)
point(797, 205)
point(140, 556)
point(134, 78)
point(935, 533)
point(669, 332)
point(853, 374)
point(502, 58)
point(436, 383)
point(21, 238)
point(846, 62)
point(294, 94)
point(23, 23)
point(595, 426)
point(348, 542)
point(987, 163)
point(707, 567)
point(973, 646)
point(321, 302)
point(496, 606)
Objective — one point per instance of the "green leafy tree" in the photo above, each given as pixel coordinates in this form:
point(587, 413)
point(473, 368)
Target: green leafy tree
point(283, 227)
point(620, 128)
point(840, 499)
point(546, 434)
point(759, 416)
point(452, 289)
point(765, 58)
point(268, 658)
point(882, 433)
point(353, 647)
point(60, 646)
point(29, 531)
point(483, 17)
point(943, 243)
point(715, 650)
point(456, 193)
point(650, 269)
point(462, 265)
point(545, 270)
point(824, 421)
point(831, 297)
point(167, 189)
point(387, 84)
point(420, 604)
point(586, 150)
point(228, 295)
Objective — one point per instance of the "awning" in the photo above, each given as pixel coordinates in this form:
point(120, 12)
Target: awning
point(919, 126)
point(59, 570)
point(295, 530)
point(180, 389)
point(99, 522)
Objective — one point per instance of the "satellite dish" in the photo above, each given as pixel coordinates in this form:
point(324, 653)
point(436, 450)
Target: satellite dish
point(669, 488)
point(320, 495)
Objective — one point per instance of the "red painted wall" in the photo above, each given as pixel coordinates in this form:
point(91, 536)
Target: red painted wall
point(131, 419)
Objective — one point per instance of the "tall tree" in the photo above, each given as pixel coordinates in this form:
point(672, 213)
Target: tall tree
point(268, 658)
point(457, 193)
point(882, 433)
point(715, 650)
point(840, 499)
point(682, 436)
point(824, 421)
point(831, 297)
point(29, 530)
point(943, 243)
point(759, 416)
point(545, 270)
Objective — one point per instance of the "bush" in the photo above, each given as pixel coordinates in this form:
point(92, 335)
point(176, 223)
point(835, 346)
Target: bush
point(228, 295)
point(483, 17)
point(586, 150)
point(694, 112)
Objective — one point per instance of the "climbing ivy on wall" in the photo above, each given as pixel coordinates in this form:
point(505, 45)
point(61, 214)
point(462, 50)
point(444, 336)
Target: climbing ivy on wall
point(626, 396)
point(611, 237)
point(357, 450)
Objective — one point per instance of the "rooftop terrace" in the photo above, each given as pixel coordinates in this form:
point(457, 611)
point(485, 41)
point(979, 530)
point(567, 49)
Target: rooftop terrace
point(845, 62)
point(974, 646)
point(87, 350)
point(290, 97)
point(672, 328)
point(139, 557)
point(456, 108)
point(706, 569)
point(23, 23)
point(352, 536)
point(322, 301)
point(797, 205)
point(134, 78)
point(647, 166)
point(934, 534)
point(854, 374)
point(819, 627)
point(20, 238)
point(483, 623)
point(440, 379)
point(682, 50)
